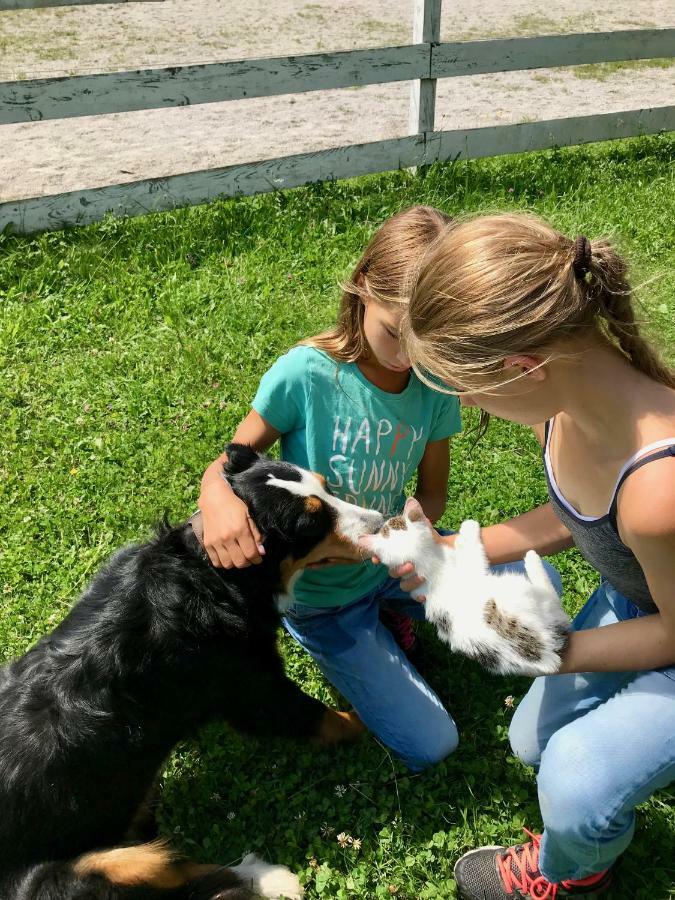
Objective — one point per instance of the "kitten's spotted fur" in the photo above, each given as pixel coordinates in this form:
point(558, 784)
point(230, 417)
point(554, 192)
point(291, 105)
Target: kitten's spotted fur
point(509, 622)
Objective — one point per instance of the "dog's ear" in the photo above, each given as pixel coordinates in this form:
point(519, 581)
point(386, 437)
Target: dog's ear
point(239, 458)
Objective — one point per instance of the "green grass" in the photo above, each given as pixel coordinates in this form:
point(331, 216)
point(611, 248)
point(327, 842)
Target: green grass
point(604, 71)
point(129, 352)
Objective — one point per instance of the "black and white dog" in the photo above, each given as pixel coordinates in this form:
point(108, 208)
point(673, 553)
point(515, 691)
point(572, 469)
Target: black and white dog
point(160, 643)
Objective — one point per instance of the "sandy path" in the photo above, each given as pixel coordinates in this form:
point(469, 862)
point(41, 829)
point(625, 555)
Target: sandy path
point(56, 156)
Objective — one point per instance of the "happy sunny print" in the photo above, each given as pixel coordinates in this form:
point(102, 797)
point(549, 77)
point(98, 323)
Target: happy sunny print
point(372, 459)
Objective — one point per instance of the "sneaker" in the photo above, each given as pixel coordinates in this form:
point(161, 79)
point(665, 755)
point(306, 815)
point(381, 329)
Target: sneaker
point(402, 629)
point(493, 873)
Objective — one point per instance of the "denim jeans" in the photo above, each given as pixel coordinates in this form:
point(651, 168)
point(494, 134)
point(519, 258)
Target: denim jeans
point(359, 656)
point(602, 742)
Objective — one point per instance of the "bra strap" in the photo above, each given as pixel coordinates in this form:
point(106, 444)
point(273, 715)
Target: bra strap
point(650, 457)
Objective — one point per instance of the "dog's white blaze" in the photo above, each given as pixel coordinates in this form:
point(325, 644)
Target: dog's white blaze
point(353, 521)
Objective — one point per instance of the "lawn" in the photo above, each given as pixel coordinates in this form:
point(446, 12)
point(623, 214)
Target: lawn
point(131, 350)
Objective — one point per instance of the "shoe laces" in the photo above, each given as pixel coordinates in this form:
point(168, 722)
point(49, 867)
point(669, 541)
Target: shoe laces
point(518, 868)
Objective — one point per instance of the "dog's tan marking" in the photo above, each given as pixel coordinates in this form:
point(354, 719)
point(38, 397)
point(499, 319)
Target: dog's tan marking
point(335, 549)
point(526, 642)
point(398, 523)
point(151, 864)
point(339, 726)
point(321, 478)
point(415, 515)
point(312, 504)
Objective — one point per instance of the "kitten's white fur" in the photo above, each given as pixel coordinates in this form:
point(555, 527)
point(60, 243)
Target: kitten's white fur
point(268, 880)
point(511, 623)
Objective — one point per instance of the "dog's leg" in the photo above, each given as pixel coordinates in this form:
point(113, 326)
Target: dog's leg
point(154, 870)
point(143, 827)
point(339, 726)
point(273, 705)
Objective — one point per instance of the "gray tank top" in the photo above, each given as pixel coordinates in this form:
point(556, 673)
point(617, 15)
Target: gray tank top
point(598, 538)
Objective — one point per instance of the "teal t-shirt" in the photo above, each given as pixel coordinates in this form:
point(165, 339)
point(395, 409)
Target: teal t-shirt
point(366, 442)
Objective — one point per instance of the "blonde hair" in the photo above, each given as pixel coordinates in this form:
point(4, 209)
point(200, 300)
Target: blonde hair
point(383, 274)
point(502, 284)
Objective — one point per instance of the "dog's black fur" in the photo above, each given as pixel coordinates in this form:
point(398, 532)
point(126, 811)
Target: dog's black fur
point(159, 643)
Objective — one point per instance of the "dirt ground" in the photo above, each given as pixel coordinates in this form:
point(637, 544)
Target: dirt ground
point(50, 157)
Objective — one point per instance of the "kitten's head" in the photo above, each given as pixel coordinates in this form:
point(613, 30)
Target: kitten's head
point(405, 538)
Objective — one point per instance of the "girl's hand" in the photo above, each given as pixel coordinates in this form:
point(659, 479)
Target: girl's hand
point(409, 578)
point(231, 537)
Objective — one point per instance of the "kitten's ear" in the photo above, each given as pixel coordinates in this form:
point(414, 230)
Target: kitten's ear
point(413, 510)
point(535, 571)
point(239, 458)
point(470, 553)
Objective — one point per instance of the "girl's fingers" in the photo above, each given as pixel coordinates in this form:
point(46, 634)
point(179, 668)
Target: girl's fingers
point(402, 571)
point(253, 528)
point(249, 548)
point(213, 557)
point(409, 584)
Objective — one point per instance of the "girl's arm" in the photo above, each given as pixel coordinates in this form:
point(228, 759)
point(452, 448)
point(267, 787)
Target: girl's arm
point(432, 479)
point(230, 536)
point(646, 520)
point(539, 529)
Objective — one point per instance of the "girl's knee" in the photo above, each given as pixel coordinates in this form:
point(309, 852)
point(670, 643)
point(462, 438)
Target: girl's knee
point(575, 790)
point(524, 737)
point(433, 749)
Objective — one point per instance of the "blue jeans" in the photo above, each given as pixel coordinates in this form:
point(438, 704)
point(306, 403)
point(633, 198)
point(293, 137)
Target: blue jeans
point(603, 742)
point(359, 656)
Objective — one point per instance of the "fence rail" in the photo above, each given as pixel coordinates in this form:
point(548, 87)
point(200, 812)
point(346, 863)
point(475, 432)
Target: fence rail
point(113, 92)
point(422, 62)
point(151, 195)
point(6, 5)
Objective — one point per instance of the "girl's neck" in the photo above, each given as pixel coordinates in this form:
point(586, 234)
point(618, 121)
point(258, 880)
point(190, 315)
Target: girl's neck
point(384, 379)
point(608, 401)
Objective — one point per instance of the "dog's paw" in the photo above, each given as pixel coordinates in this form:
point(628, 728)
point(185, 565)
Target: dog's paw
point(339, 726)
point(275, 882)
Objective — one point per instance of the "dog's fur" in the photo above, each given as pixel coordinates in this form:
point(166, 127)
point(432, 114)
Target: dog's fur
point(508, 622)
point(160, 643)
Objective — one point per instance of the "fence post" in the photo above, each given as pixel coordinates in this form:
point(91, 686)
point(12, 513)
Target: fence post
point(426, 29)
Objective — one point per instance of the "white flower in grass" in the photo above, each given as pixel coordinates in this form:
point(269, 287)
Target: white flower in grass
point(344, 840)
point(340, 790)
point(509, 701)
point(231, 815)
point(356, 843)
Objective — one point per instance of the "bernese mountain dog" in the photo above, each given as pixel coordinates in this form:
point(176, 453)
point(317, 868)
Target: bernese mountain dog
point(160, 643)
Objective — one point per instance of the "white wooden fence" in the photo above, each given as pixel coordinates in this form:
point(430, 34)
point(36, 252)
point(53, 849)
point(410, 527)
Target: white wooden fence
point(422, 62)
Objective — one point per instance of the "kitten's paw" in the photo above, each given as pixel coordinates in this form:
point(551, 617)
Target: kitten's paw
point(469, 530)
point(275, 882)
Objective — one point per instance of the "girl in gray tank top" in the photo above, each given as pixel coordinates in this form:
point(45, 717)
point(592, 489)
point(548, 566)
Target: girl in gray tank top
point(535, 327)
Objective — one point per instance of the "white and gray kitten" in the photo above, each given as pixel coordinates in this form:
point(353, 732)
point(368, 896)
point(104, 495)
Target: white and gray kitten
point(511, 623)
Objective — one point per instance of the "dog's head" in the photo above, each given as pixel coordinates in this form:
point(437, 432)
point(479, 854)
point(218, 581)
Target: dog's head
point(294, 509)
